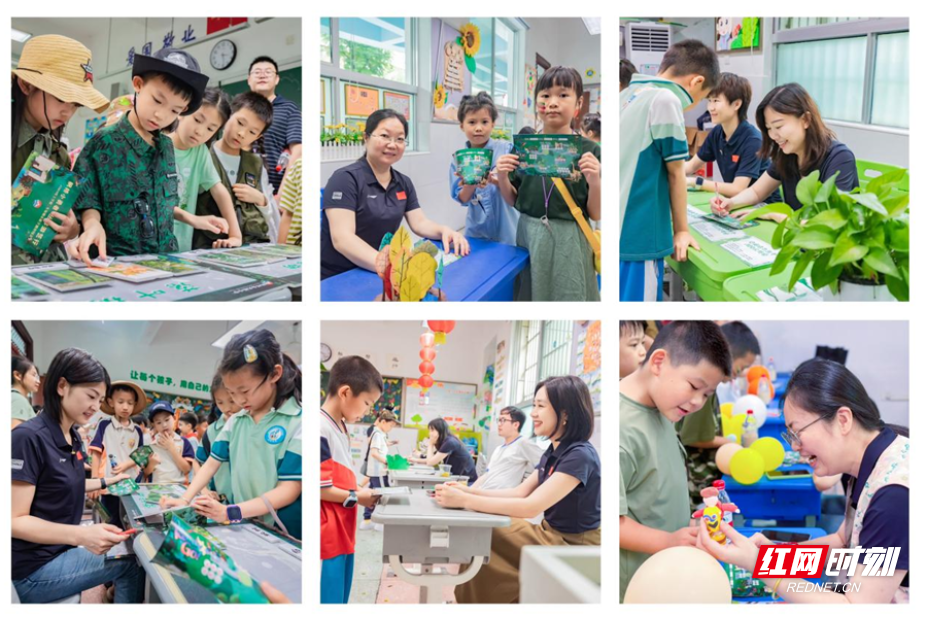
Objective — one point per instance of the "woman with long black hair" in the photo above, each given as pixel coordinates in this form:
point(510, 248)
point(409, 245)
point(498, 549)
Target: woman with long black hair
point(831, 420)
point(445, 448)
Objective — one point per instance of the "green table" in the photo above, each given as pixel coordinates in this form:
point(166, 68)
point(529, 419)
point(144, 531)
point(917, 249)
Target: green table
point(745, 287)
point(706, 271)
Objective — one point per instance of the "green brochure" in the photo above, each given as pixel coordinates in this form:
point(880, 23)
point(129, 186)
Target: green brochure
point(41, 188)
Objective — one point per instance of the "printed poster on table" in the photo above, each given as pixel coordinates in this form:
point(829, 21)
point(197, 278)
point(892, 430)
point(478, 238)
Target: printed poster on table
point(714, 231)
point(752, 251)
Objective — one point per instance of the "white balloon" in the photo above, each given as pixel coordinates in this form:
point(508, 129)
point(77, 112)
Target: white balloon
point(751, 402)
point(679, 575)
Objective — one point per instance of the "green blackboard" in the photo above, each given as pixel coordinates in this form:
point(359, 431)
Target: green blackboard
point(290, 86)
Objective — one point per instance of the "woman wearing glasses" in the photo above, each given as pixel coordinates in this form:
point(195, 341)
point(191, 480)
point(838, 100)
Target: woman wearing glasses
point(369, 198)
point(835, 425)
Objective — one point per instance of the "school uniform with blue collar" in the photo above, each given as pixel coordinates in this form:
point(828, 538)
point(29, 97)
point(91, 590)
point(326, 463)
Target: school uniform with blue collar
point(575, 520)
point(488, 216)
point(737, 157)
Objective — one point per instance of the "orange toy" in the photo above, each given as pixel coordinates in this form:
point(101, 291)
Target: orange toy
point(756, 372)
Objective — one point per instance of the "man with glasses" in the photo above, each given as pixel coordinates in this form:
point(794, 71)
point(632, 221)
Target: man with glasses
point(286, 131)
point(515, 459)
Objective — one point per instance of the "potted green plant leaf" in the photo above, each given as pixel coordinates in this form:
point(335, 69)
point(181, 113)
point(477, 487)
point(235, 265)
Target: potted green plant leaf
point(856, 243)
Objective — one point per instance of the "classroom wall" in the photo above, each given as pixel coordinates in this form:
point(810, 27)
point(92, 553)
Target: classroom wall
point(878, 355)
point(280, 38)
point(867, 142)
point(182, 350)
point(560, 41)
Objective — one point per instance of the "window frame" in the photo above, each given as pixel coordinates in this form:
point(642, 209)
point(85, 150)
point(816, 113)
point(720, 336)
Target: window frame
point(518, 28)
point(870, 28)
point(524, 388)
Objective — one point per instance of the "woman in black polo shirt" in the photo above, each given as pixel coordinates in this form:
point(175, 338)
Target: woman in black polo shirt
point(54, 557)
point(797, 142)
point(565, 487)
point(368, 199)
point(446, 448)
point(831, 420)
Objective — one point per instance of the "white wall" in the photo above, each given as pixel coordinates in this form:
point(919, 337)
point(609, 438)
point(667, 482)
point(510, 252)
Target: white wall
point(109, 42)
point(560, 40)
point(878, 355)
point(181, 350)
point(867, 142)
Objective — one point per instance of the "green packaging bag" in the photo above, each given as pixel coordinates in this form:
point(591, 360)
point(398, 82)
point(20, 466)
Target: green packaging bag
point(473, 164)
point(192, 552)
point(125, 487)
point(554, 156)
point(141, 455)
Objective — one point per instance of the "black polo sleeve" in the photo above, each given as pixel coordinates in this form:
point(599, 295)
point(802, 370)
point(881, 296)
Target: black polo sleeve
point(341, 191)
point(843, 161)
point(886, 523)
point(27, 453)
point(411, 196)
point(578, 463)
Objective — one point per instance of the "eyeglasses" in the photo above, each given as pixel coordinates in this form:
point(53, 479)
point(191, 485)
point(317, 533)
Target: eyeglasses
point(399, 141)
point(263, 72)
point(503, 420)
point(792, 436)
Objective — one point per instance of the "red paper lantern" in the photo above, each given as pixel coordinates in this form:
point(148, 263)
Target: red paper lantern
point(427, 354)
point(441, 328)
point(426, 382)
point(427, 340)
point(426, 368)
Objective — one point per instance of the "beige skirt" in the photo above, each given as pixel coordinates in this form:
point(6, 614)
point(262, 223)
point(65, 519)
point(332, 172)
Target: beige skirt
point(497, 581)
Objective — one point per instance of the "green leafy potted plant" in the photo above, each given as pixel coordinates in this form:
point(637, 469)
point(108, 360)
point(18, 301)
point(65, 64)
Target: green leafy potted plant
point(856, 243)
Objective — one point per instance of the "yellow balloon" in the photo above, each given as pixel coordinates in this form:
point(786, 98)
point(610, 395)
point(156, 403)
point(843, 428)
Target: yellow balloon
point(724, 454)
point(679, 575)
point(747, 466)
point(772, 452)
point(727, 409)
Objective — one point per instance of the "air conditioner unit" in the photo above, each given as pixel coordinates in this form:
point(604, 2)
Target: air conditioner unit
point(647, 43)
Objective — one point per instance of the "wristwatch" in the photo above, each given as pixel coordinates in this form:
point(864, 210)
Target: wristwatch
point(233, 512)
point(102, 482)
point(351, 501)
point(699, 181)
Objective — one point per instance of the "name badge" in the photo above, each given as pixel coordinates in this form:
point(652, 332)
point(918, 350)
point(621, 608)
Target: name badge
point(400, 195)
point(250, 180)
point(735, 158)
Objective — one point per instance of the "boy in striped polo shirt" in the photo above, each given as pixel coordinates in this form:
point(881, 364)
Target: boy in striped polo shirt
point(653, 152)
point(354, 386)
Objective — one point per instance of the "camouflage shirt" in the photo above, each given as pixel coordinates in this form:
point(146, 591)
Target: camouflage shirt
point(133, 185)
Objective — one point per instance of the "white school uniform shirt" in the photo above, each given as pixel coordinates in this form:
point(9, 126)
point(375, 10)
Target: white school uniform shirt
point(167, 471)
point(117, 441)
point(510, 464)
point(378, 440)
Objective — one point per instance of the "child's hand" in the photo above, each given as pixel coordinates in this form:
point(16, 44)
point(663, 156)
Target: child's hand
point(94, 234)
point(248, 194)
point(213, 509)
point(66, 226)
point(210, 223)
point(164, 440)
point(493, 177)
point(681, 243)
point(778, 217)
point(507, 163)
point(227, 243)
point(366, 498)
point(273, 595)
point(684, 537)
point(169, 503)
point(721, 206)
point(591, 169)
point(449, 236)
point(154, 460)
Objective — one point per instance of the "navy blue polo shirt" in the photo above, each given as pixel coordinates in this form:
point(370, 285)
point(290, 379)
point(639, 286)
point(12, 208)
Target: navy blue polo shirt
point(838, 158)
point(737, 157)
point(458, 457)
point(43, 458)
point(285, 131)
point(887, 520)
point(377, 211)
point(581, 509)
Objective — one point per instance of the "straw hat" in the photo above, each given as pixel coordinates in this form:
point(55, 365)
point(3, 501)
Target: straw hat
point(141, 400)
point(61, 67)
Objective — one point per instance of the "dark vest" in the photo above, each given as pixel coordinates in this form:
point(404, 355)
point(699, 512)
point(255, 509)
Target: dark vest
point(252, 223)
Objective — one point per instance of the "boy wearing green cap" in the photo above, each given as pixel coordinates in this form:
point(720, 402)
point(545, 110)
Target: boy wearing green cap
point(129, 200)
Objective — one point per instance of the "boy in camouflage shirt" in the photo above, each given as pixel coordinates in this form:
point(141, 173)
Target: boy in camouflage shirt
point(129, 201)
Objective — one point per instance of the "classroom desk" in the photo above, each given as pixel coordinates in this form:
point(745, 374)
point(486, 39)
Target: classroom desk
point(264, 553)
point(748, 531)
point(422, 479)
point(417, 530)
point(781, 500)
point(486, 274)
point(746, 287)
point(560, 574)
point(706, 271)
point(280, 281)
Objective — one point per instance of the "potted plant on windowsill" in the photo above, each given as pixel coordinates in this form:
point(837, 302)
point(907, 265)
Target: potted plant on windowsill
point(856, 243)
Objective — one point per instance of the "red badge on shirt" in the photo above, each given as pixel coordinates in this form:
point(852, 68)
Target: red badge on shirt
point(735, 158)
point(400, 195)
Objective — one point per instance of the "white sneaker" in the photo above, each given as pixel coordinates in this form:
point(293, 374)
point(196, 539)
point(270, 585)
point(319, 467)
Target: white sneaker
point(366, 525)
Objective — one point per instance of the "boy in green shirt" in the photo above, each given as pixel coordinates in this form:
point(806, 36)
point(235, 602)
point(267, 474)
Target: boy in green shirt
point(683, 367)
point(699, 431)
point(129, 199)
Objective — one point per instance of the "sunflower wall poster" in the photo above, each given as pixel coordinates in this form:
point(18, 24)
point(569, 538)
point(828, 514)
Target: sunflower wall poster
point(453, 53)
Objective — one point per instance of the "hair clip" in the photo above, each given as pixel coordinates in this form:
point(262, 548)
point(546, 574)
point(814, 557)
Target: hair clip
point(250, 353)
